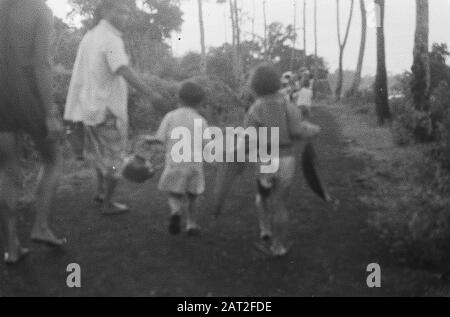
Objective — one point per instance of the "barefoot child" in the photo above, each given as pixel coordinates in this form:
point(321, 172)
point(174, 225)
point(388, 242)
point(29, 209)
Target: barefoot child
point(182, 180)
point(272, 110)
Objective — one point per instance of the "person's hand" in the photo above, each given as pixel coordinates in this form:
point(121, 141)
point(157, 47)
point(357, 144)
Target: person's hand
point(54, 124)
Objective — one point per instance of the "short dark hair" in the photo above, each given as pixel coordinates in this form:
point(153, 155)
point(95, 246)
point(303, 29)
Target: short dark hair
point(265, 80)
point(104, 6)
point(192, 94)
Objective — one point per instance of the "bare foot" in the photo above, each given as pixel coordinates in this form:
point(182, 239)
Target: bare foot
point(99, 199)
point(193, 231)
point(47, 237)
point(114, 209)
point(13, 258)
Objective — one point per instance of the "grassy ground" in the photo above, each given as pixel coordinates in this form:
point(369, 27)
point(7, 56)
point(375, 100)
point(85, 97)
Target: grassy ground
point(133, 255)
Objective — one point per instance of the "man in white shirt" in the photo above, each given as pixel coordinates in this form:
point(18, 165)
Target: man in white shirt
point(98, 97)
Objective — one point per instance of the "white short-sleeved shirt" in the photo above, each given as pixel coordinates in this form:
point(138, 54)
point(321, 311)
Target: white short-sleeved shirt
point(183, 117)
point(95, 87)
point(304, 97)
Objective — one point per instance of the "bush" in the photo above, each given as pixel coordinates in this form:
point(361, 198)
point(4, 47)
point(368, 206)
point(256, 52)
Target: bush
point(414, 217)
point(220, 107)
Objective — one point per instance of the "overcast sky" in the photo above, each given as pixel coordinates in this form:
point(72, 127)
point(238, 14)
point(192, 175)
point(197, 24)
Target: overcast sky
point(400, 26)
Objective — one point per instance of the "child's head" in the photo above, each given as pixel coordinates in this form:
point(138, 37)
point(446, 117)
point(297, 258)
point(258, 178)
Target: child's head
point(191, 94)
point(265, 80)
point(306, 83)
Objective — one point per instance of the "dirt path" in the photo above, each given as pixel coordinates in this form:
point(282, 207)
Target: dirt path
point(133, 255)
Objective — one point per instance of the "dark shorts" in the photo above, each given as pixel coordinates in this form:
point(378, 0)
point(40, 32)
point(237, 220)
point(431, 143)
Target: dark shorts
point(22, 112)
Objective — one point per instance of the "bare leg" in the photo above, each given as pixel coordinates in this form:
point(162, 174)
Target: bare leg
point(280, 224)
point(192, 226)
point(100, 186)
point(109, 206)
point(46, 192)
point(264, 217)
point(9, 195)
point(279, 196)
point(176, 210)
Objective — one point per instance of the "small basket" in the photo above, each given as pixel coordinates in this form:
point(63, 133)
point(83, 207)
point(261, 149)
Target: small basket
point(137, 169)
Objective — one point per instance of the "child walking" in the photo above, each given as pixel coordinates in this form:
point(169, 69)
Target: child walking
point(183, 181)
point(304, 98)
point(273, 110)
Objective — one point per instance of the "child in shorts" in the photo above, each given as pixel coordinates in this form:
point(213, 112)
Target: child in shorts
point(273, 110)
point(183, 180)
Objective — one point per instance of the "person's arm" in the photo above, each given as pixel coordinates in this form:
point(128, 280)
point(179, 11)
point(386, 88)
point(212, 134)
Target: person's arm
point(43, 74)
point(299, 128)
point(153, 140)
point(161, 136)
point(136, 82)
point(42, 64)
point(118, 62)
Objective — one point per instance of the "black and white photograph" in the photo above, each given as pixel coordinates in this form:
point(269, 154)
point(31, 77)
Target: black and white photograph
point(224, 149)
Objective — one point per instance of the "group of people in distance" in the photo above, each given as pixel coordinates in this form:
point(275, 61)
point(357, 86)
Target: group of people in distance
point(299, 88)
point(97, 98)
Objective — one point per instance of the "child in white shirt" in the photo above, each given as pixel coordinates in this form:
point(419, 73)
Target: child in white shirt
point(304, 99)
point(182, 180)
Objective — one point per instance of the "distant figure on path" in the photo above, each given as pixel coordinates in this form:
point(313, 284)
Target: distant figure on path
point(26, 106)
point(304, 98)
point(98, 97)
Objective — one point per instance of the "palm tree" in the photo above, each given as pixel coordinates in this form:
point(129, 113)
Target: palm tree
point(381, 90)
point(342, 45)
point(357, 79)
point(421, 68)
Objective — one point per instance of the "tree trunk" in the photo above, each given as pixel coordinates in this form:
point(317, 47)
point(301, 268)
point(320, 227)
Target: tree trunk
point(239, 72)
point(266, 49)
point(234, 22)
point(421, 68)
point(304, 34)
point(316, 62)
point(202, 35)
point(381, 87)
point(294, 42)
point(253, 22)
point(357, 79)
point(342, 44)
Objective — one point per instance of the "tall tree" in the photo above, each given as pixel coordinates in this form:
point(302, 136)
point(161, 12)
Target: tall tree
point(342, 44)
point(304, 32)
point(420, 85)
point(294, 41)
point(357, 78)
point(202, 35)
point(316, 62)
point(381, 87)
point(266, 48)
point(237, 18)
